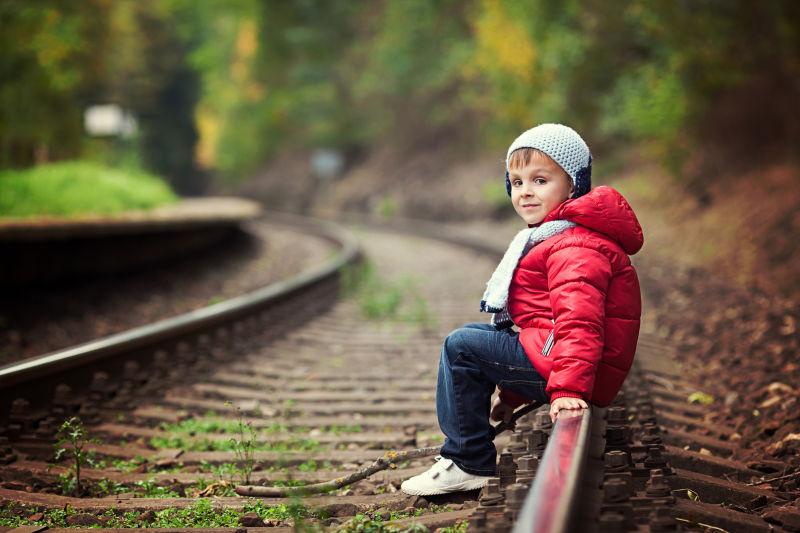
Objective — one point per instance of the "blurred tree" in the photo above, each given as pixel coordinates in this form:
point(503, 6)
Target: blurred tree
point(47, 65)
point(407, 68)
point(150, 74)
point(228, 84)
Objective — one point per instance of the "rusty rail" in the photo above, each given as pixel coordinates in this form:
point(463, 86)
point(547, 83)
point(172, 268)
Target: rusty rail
point(197, 320)
point(549, 505)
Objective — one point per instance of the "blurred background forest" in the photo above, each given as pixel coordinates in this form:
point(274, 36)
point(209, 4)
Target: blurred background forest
point(406, 107)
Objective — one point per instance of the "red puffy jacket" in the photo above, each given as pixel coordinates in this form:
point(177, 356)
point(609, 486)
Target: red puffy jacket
point(575, 298)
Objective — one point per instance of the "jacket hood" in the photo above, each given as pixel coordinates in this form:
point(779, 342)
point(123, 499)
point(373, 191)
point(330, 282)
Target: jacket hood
point(606, 211)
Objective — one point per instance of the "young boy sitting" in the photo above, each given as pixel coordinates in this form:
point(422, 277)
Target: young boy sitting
point(568, 285)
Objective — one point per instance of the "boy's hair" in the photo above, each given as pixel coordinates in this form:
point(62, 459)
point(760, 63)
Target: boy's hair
point(563, 145)
point(521, 157)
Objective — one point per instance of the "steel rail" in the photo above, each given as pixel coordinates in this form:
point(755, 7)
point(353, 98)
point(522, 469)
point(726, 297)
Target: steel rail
point(197, 320)
point(549, 504)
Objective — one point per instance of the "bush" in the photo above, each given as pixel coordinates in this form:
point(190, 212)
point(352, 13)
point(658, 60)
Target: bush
point(79, 187)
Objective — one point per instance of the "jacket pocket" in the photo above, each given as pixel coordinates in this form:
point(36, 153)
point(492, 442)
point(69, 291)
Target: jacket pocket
point(548, 344)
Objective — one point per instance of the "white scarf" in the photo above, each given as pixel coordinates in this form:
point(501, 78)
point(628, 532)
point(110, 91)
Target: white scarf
point(495, 298)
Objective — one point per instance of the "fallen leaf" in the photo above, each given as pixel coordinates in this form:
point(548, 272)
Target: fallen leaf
point(701, 398)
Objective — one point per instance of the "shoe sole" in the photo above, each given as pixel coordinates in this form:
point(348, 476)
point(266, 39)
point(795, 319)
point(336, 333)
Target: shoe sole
point(459, 487)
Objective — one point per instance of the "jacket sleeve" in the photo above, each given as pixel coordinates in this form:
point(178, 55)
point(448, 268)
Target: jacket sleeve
point(578, 279)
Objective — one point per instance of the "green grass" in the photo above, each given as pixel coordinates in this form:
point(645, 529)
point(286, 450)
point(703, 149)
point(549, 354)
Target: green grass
point(205, 424)
point(221, 471)
point(201, 514)
point(381, 299)
point(228, 445)
point(364, 524)
point(150, 489)
point(128, 465)
point(312, 466)
point(372, 522)
point(282, 511)
point(79, 187)
point(336, 429)
point(458, 527)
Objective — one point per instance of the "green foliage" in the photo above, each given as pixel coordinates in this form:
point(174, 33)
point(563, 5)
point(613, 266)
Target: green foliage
point(72, 439)
point(458, 527)
point(210, 423)
point(226, 85)
point(47, 61)
point(364, 524)
point(58, 57)
point(337, 429)
point(244, 445)
point(14, 515)
point(283, 511)
point(222, 471)
point(380, 299)
point(78, 187)
point(107, 487)
point(229, 445)
point(129, 465)
point(312, 466)
point(149, 488)
point(200, 514)
point(218, 488)
point(387, 208)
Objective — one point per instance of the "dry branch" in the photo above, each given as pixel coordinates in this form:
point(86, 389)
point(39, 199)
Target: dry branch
point(387, 460)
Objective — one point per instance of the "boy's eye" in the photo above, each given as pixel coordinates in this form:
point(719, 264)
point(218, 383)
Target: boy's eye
point(540, 181)
point(516, 183)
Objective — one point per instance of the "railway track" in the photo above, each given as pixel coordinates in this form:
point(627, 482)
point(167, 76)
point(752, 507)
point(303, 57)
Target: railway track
point(315, 389)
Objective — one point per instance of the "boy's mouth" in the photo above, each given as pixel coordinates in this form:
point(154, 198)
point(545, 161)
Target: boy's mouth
point(530, 205)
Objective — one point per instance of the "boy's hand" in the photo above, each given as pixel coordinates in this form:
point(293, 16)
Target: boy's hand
point(501, 412)
point(565, 403)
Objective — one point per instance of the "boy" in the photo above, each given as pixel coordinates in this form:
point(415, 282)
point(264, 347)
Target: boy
point(568, 285)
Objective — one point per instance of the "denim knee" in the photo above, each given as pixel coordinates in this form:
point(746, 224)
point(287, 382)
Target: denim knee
point(454, 343)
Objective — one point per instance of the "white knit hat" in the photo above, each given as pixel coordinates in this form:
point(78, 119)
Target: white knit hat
point(564, 146)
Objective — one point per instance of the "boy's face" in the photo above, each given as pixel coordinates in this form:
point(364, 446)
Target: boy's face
point(538, 188)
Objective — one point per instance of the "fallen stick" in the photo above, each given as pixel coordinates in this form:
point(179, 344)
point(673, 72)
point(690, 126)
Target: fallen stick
point(387, 460)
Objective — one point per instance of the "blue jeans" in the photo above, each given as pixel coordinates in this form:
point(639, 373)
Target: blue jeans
point(474, 359)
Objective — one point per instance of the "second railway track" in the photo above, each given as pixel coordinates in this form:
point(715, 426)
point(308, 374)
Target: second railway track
point(327, 390)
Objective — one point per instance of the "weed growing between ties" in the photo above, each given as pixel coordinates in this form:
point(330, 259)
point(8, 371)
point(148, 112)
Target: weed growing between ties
point(226, 445)
point(312, 466)
point(340, 429)
point(244, 445)
point(71, 442)
point(200, 514)
point(381, 299)
point(381, 522)
point(129, 465)
point(364, 524)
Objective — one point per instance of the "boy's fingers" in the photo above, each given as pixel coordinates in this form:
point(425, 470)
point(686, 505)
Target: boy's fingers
point(566, 403)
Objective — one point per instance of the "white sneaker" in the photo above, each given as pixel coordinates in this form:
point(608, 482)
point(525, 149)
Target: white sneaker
point(443, 477)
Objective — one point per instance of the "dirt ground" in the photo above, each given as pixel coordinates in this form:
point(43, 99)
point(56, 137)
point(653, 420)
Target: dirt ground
point(722, 282)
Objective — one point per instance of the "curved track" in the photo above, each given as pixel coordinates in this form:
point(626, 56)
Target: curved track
point(327, 390)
